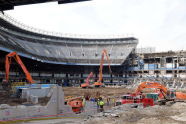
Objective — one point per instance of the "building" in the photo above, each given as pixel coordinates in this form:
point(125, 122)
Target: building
point(158, 66)
point(68, 59)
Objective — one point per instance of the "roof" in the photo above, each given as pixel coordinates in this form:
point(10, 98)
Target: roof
point(61, 48)
point(9, 4)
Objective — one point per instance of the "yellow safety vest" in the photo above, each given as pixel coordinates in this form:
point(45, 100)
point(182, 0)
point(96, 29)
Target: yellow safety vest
point(101, 103)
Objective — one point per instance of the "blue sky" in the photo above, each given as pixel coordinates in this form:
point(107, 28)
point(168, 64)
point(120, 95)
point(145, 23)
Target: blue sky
point(156, 23)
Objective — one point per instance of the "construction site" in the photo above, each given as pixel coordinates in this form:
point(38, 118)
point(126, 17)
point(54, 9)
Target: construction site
point(55, 78)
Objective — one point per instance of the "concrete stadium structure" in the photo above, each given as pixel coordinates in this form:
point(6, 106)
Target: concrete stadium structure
point(61, 48)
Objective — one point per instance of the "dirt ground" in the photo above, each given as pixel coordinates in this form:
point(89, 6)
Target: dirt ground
point(105, 91)
point(68, 91)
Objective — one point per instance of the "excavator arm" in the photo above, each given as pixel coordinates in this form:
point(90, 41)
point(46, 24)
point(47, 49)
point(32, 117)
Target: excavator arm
point(87, 81)
point(155, 85)
point(162, 89)
point(19, 61)
point(104, 53)
point(88, 78)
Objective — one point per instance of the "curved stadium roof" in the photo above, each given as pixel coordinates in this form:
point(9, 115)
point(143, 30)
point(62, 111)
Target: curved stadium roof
point(61, 48)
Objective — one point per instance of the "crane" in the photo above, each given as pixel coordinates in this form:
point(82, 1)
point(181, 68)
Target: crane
point(87, 82)
point(99, 81)
point(19, 61)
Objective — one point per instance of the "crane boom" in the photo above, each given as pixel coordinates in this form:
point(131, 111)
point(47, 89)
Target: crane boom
point(19, 61)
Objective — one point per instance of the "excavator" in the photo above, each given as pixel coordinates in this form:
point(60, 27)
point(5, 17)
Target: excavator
point(87, 81)
point(164, 93)
point(6, 84)
point(99, 81)
point(75, 103)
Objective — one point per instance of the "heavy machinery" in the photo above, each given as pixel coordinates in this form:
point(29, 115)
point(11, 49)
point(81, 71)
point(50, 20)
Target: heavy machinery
point(76, 104)
point(8, 60)
point(87, 81)
point(99, 81)
point(163, 95)
point(135, 100)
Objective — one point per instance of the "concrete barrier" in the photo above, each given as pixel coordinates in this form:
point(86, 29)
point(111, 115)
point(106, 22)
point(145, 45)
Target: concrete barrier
point(55, 106)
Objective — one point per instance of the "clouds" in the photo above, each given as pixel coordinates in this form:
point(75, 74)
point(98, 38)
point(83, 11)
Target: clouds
point(158, 23)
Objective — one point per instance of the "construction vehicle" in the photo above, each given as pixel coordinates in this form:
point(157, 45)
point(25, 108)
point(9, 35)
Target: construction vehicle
point(99, 81)
point(76, 104)
point(163, 95)
point(87, 81)
point(6, 84)
point(135, 100)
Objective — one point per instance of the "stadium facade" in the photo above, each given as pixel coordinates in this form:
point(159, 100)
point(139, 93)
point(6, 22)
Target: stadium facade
point(62, 48)
point(65, 51)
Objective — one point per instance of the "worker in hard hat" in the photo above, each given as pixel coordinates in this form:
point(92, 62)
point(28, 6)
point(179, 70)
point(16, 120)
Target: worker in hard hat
point(101, 104)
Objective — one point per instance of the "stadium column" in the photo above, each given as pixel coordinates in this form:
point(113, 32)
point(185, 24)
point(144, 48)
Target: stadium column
point(66, 81)
point(81, 80)
point(111, 80)
point(53, 80)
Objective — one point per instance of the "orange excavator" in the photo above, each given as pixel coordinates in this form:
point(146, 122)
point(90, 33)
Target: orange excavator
point(87, 81)
point(7, 68)
point(164, 93)
point(99, 81)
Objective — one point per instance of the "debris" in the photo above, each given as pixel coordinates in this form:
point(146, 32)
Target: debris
point(154, 115)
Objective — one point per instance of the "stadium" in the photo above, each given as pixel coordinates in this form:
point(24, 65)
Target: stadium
point(52, 78)
point(55, 55)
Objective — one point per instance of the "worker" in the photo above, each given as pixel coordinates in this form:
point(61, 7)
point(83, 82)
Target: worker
point(101, 104)
point(114, 101)
point(108, 101)
point(83, 104)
